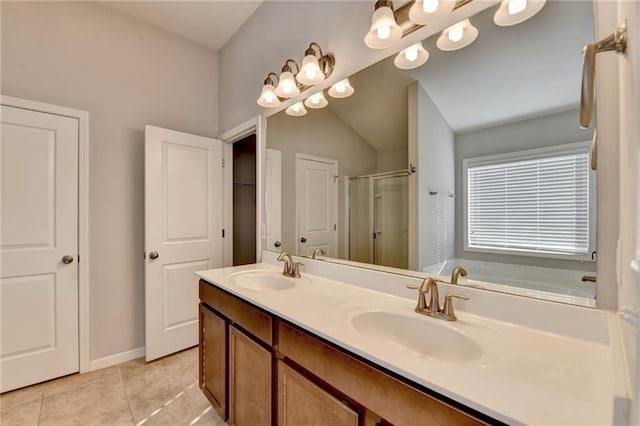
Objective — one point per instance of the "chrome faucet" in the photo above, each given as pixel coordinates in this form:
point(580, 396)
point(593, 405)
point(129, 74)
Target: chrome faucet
point(433, 309)
point(457, 271)
point(317, 252)
point(291, 268)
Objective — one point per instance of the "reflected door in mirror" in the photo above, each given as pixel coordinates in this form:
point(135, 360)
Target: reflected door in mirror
point(317, 205)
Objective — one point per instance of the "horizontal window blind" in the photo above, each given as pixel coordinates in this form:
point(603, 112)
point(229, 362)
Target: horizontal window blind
point(537, 205)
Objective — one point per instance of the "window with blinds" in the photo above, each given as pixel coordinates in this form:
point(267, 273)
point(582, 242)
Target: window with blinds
point(530, 202)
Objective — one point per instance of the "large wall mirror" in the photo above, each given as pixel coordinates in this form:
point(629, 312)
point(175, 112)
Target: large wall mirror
point(474, 159)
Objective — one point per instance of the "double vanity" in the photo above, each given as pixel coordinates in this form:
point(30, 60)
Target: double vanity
point(342, 345)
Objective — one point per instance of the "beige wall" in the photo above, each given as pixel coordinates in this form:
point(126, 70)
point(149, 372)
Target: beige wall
point(125, 74)
point(320, 133)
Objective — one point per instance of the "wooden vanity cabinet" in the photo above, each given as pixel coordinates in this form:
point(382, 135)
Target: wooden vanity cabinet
point(395, 401)
point(302, 402)
point(212, 375)
point(235, 357)
point(250, 378)
point(256, 370)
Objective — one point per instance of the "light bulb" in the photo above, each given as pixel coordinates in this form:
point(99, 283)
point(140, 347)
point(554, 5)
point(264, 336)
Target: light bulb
point(384, 32)
point(296, 110)
point(411, 54)
point(341, 89)
point(315, 99)
point(268, 98)
point(310, 73)
point(287, 87)
point(430, 6)
point(517, 6)
point(456, 33)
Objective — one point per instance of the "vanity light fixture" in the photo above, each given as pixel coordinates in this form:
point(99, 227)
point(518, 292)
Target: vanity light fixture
point(268, 97)
point(457, 36)
point(314, 66)
point(287, 87)
point(316, 101)
point(296, 110)
point(411, 57)
point(512, 12)
point(384, 30)
point(424, 12)
point(341, 89)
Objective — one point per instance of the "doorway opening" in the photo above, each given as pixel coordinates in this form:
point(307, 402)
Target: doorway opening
point(244, 200)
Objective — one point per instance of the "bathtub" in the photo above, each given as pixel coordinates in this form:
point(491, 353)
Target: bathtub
point(560, 285)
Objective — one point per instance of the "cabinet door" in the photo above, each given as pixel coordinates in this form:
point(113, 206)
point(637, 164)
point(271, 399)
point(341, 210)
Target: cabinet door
point(249, 381)
point(213, 359)
point(301, 402)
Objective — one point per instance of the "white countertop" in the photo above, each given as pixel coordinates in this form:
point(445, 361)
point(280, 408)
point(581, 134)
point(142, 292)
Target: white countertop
point(524, 376)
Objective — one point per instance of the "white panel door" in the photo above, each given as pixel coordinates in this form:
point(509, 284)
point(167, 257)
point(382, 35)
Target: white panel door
point(274, 199)
point(317, 205)
point(183, 226)
point(38, 289)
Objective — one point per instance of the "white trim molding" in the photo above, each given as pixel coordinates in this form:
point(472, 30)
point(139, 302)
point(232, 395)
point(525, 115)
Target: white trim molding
point(83, 213)
point(257, 125)
point(115, 359)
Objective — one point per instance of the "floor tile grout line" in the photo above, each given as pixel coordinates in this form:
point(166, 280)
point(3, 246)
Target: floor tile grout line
point(41, 404)
point(126, 395)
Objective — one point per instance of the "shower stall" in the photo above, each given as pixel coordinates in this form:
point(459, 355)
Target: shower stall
point(378, 216)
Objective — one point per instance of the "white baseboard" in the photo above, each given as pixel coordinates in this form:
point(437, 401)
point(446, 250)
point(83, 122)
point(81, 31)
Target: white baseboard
point(115, 359)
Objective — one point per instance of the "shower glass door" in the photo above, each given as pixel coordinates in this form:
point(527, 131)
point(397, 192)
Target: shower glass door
point(391, 221)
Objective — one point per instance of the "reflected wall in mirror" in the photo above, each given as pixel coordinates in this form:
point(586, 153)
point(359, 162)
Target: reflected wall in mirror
point(475, 159)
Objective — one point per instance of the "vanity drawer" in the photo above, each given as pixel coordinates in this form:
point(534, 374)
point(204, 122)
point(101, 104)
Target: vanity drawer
point(393, 400)
point(238, 312)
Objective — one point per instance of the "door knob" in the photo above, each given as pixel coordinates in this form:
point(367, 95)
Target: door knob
point(153, 255)
point(303, 240)
point(277, 244)
point(67, 259)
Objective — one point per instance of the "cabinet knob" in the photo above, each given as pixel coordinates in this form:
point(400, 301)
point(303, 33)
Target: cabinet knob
point(67, 259)
point(277, 244)
point(153, 255)
point(303, 240)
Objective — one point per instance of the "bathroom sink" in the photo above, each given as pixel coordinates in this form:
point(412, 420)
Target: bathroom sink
point(423, 337)
point(265, 280)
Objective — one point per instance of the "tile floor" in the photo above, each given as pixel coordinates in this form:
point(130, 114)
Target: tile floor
point(162, 392)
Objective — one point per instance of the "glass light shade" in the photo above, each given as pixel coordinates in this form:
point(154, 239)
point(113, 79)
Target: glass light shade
point(457, 36)
point(341, 89)
point(268, 97)
point(384, 30)
point(310, 72)
point(316, 101)
point(425, 12)
point(296, 110)
point(287, 87)
point(411, 57)
point(512, 12)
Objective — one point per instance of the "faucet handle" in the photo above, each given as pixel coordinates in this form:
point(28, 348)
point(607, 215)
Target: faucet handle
point(296, 269)
point(447, 310)
point(413, 287)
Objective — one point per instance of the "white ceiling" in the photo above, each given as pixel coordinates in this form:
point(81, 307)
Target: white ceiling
point(210, 22)
point(506, 75)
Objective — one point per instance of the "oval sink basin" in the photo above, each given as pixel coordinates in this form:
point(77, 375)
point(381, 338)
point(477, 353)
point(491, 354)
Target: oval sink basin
point(264, 280)
point(423, 337)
